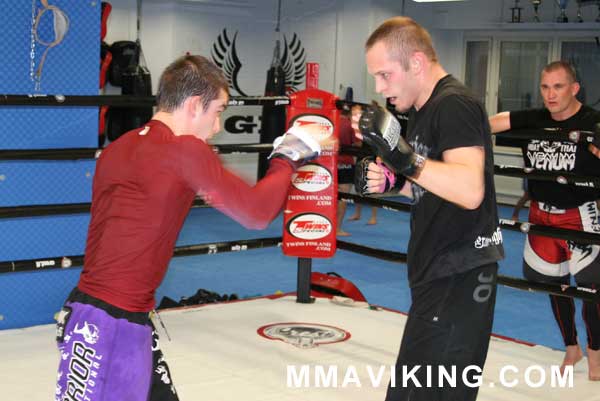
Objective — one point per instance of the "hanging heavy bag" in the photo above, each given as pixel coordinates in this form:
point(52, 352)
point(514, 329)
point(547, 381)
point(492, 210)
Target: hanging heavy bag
point(272, 117)
point(124, 54)
point(137, 81)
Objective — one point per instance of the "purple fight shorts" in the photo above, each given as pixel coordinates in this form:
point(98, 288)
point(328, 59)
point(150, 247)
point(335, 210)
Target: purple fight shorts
point(107, 353)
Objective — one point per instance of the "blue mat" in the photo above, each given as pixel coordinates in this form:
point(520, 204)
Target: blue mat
point(519, 314)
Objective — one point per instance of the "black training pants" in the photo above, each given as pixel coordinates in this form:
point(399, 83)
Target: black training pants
point(448, 330)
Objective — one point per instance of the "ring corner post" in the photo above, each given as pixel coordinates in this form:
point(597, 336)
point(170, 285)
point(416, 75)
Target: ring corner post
point(303, 282)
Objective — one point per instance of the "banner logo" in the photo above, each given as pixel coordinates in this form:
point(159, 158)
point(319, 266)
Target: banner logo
point(326, 126)
point(303, 335)
point(312, 178)
point(309, 226)
point(293, 61)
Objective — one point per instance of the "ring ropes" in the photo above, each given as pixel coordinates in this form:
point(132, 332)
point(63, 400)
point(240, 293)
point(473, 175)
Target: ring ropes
point(212, 248)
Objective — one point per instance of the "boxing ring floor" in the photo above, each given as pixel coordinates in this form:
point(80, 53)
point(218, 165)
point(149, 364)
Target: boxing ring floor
point(217, 354)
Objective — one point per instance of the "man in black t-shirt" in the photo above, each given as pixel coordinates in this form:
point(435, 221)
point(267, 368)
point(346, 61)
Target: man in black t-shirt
point(447, 168)
point(552, 260)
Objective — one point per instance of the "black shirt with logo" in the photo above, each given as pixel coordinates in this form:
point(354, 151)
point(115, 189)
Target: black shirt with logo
point(445, 238)
point(559, 156)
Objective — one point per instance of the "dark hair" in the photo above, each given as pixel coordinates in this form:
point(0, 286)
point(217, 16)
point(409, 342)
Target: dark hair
point(189, 76)
point(565, 65)
point(402, 36)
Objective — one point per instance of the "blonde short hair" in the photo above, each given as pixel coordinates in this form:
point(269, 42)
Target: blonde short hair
point(562, 65)
point(402, 37)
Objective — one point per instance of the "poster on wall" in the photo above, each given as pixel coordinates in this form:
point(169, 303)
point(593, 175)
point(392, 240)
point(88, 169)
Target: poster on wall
point(285, 75)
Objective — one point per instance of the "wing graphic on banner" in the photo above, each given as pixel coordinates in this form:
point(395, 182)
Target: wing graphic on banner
point(224, 55)
point(293, 61)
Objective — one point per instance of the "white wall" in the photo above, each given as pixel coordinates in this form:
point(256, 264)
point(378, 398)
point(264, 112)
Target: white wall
point(332, 33)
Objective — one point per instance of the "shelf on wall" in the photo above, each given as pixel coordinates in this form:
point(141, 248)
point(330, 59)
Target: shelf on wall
point(527, 26)
point(570, 26)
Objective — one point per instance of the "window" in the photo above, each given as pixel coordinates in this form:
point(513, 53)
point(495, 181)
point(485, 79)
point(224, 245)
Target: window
point(585, 57)
point(519, 74)
point(503, 69)
point(476, 68)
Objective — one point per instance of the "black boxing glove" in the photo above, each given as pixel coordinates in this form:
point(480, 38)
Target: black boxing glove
point(296, 146)
point(361, 181)
point(381, 131)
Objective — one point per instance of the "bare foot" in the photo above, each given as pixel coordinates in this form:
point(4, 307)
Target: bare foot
point(593, 364)
point(572, 356)
point(342, 234)
point(372, 222)
point(353, 218)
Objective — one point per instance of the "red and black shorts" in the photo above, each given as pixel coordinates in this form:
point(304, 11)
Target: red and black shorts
point(555, 257)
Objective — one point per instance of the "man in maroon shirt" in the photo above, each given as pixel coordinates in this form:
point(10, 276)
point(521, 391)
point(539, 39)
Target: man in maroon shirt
point(144, 185)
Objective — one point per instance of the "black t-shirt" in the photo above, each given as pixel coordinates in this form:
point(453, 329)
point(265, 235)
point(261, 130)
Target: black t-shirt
point(559, 156)
point(445, 238)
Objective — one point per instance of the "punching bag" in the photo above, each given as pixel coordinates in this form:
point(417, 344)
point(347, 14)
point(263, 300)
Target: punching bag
point(135, 80)
point(273, 117)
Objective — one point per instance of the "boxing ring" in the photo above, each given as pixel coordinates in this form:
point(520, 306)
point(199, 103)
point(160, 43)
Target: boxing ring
point(224, 351)
point(217, 353)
